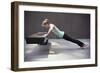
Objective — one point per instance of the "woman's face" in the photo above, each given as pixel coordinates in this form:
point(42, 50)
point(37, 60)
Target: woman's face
point(45, 25)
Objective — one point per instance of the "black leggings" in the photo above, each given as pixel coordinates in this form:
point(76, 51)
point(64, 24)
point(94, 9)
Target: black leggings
point(66, 37)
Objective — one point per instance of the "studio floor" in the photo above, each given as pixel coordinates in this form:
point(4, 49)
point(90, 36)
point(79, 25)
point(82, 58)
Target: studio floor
point(64, 50)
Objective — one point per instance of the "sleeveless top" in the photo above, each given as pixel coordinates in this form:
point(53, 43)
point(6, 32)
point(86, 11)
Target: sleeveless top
point(57, 31)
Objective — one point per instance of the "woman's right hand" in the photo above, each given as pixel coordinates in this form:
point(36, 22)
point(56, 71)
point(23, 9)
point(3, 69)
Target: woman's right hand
point(45, 35)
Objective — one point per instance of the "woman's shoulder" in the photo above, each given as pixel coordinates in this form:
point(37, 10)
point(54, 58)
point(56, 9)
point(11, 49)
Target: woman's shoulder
point(52, 25)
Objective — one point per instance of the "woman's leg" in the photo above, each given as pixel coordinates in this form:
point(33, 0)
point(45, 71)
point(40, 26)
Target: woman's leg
point(66, 37)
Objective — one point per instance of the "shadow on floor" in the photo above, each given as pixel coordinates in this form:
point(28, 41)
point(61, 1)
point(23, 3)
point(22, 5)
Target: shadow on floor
point(34, 52)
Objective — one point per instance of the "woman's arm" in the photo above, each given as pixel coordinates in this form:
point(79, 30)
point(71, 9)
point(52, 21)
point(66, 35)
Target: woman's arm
point(49, 31)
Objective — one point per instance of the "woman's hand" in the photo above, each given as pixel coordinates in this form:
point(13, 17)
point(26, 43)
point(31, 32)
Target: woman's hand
point(45, 35)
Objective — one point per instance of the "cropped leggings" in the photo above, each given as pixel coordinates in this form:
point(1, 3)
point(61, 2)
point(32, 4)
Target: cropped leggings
point(79, 43)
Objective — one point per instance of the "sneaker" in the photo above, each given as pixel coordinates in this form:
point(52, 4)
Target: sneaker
point(85, 46)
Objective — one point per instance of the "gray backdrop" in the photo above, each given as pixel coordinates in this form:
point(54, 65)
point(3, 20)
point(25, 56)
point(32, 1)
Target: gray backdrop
point(75, 25)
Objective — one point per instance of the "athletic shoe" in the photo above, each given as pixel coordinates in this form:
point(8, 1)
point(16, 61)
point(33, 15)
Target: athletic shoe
point(85, 46)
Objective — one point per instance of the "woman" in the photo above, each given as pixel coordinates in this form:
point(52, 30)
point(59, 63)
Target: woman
point(61, 34)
